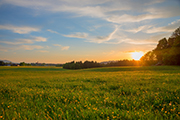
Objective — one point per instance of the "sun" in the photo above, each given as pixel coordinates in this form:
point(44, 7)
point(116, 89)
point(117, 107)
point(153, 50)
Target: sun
point(137, 55)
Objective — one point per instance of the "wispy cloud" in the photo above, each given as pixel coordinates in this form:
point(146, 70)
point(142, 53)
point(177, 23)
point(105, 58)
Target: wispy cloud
point(141, 28)
point(62, 47)
point(20, 30)
point(169, 28)
point(104, 9)
point(25, 41)
point(52, 31)
point(39, 39)
point(19, 47)
point(77, 35)
point(102, 39)
point(20, 41)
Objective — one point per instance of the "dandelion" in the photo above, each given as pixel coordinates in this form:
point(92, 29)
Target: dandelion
point(1, 116)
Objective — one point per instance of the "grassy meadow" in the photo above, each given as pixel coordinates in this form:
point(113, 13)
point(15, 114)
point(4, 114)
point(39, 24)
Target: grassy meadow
point(97, 93)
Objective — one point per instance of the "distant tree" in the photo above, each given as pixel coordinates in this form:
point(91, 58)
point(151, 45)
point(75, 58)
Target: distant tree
point(81, 65)
point(22, 64)
point(2, 63)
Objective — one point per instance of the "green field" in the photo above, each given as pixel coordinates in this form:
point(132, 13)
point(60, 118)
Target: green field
point(98, 93)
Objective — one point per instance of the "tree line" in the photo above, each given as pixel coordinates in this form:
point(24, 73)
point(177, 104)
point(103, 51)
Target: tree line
point(92, 64)
point(81, 65)
point(167, 51)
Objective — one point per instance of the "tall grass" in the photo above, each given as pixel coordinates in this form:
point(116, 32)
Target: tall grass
point(98, 93)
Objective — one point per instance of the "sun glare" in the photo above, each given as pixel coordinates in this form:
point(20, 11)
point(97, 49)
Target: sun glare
point(137, 55)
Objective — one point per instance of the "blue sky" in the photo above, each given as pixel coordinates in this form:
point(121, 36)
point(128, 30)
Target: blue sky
point(59, 31)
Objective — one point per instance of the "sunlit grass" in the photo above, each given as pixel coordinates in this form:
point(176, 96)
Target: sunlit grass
point(98, 93)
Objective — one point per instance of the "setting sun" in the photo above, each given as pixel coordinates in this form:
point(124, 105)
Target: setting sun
point(137, 55)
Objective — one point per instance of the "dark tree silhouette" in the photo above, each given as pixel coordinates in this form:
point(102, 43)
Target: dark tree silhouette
point(167, 52)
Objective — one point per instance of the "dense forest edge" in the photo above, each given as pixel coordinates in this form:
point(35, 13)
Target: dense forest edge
point(167, 52)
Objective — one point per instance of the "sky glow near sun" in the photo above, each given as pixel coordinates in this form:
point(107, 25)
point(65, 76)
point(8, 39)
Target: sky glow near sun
point(60, 31)
point(137, 55)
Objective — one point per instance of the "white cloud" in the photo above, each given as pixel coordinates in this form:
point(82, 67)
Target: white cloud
point(52, 31)
point(40, 39)
point(77, 35)
point(62, 47)
point(20, 30)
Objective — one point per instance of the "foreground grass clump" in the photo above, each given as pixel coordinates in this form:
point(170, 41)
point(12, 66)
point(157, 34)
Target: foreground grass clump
point(98, 93)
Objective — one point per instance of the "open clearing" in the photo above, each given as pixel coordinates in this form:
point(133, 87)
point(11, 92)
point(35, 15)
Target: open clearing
point(98, 93)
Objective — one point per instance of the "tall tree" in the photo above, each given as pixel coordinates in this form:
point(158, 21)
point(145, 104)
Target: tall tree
point(159, 50)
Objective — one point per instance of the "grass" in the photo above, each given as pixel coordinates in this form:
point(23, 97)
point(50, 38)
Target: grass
point(98, 93)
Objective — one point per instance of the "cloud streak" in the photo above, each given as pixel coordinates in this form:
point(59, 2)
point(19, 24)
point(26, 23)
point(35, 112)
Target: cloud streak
point(169, 28)
point(102, 39)
point(25, 41)
point(104, 9)
point(20, 30)
point(52, 31)
point(62, 47)
point(77, 35)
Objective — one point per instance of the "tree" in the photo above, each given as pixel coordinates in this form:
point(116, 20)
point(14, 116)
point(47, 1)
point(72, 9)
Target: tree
point(149, 58)
point(162, 45)
point(22, 64)
point(2, 63)
point(176, 33)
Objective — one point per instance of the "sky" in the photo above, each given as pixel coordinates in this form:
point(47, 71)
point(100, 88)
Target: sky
point(59, 31)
